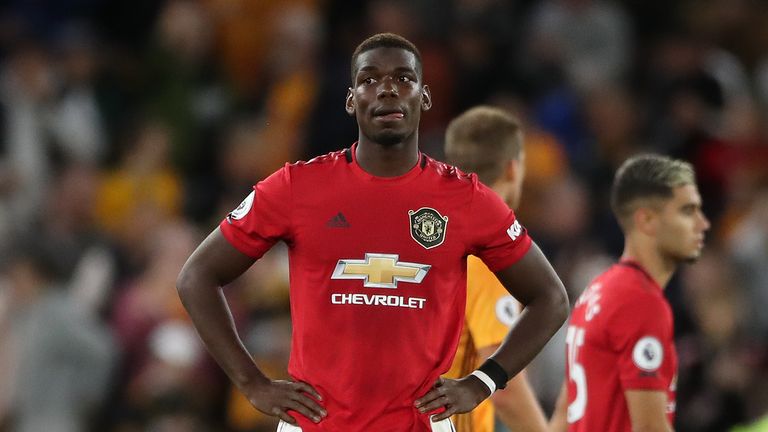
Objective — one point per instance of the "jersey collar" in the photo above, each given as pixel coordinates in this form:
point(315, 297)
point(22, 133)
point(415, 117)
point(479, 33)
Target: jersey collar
point(349, 155)
point(636, 265)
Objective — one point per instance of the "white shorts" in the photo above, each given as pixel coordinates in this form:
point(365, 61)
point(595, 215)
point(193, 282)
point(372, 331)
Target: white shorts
point(441, 426)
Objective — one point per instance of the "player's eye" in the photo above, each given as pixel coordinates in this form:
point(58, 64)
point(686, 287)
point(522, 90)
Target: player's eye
point(405, 78)
point(368, 81)
point(689, 209)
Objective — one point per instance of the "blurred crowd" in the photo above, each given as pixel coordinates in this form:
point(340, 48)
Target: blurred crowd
point(128, 129)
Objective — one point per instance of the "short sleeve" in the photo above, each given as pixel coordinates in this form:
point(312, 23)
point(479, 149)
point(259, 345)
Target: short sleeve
point(490, 308)
point(498, 238)
point(640, 334)
point(263, 218)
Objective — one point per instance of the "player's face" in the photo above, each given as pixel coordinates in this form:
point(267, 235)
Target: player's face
point(682, 225)
point(387, 96)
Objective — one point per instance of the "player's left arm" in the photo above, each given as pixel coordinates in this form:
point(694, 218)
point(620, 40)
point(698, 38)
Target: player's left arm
point(516, 405)
point(643, 338)
point(534, 283)
point(647, 410)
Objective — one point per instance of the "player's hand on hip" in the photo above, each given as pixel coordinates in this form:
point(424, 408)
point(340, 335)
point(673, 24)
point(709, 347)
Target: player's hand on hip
point(456, 396)
point(276, 397)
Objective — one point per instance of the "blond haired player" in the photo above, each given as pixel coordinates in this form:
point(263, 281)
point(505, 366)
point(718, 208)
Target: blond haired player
point(622, 366)
point(488, 142)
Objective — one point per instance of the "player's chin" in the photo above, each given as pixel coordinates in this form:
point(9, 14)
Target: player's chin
point(390, 137)
point(691, 257)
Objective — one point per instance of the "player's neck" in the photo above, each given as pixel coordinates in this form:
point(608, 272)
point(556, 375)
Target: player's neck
point(387, 160)
point(658, 267)
point(506, 190)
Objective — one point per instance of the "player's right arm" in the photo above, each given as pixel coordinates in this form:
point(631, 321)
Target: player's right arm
point(212, 265)
point(261, 220)
point(647, 410)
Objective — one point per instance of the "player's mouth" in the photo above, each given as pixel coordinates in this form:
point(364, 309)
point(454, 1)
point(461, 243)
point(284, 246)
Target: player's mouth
point(388, 114)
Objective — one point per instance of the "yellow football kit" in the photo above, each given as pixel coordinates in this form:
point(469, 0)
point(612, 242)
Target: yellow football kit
point(489, 313)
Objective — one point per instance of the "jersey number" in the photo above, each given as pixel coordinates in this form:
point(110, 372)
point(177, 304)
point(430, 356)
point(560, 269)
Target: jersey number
point(574, 339)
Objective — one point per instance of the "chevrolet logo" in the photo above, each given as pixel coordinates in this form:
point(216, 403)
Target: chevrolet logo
point(380, 270)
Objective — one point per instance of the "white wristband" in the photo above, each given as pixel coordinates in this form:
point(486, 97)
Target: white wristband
point(485, 379)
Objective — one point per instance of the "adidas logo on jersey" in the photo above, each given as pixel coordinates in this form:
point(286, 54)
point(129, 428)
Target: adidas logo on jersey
point(338, 221)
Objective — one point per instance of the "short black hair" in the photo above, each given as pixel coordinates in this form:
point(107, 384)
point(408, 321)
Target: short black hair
point(385, 40)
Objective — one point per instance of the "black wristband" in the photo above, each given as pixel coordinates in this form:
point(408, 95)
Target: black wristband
point(497, 373)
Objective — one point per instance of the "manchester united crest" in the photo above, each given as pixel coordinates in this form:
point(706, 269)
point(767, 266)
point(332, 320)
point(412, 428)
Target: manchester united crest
point(428, 227)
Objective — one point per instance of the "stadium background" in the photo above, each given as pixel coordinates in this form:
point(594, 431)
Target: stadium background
point(129, 128)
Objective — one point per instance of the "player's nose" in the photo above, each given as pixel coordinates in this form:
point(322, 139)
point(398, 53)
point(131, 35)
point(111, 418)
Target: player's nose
point(387, 87)
point(704, 222)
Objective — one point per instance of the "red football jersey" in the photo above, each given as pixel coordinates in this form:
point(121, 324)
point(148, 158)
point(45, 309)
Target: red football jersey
point(377, 277)
point(619, 338)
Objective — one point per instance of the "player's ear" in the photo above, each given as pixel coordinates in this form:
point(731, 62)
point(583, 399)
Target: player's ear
point(426, 98)
point(513, 170)
point(645, 220)
point(349, 105)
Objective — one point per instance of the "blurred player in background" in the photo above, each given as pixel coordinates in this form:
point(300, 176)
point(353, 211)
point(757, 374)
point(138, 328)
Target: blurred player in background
point(378, 236)
point(621, 368)
point(488, 141)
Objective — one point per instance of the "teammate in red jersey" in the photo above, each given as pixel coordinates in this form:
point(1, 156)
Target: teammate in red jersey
point(621, 364)
point(378, 236)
